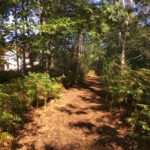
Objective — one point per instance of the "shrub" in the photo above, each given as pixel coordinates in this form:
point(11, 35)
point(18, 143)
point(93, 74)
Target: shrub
point(17, 97)
point(39, 87)
point(132, 87)
point(9, 119)
point(140, 122)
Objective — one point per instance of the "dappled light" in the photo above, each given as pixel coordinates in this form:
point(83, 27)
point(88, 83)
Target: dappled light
point(74, 75)
point(74, 122)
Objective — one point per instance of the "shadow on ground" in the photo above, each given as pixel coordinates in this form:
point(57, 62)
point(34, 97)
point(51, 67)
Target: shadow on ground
point(105, 128)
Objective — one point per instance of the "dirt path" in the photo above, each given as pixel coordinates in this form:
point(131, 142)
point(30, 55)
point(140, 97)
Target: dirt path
point(79, 120)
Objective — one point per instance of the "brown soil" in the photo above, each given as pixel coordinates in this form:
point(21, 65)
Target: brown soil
point(79, 120)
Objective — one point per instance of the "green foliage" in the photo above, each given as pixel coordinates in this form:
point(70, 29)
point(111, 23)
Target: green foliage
point(39, 87)
point(130, 87)
point(17, 97)
point(64, 25)
point(9, 119)
point(140, 121)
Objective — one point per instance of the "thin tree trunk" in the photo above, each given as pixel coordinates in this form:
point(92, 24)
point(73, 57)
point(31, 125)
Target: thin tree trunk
point(18, 65)
point(122, 39)
point(24, 50)
point(30, 57)
point(24, 60)
point(28, 35)
point(122, 46)
point(81, 46)
point(42, 24)
point(16, 39)
point(78, 46)
point(49, 59)
point(121, 3)
point(123, 57)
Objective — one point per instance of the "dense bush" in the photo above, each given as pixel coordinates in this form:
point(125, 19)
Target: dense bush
point(10, 117)
point(17, 97)
point(132, 89)
point(39, 87)
point(140, 122)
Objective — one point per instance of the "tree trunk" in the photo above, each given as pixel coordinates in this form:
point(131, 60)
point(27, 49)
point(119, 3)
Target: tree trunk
point(18, 65)
point(23, 48)
point(121, 3)
point(16, 39)
point(31, 59)
point(42, 24)
point(78, 46)
point(24, 60)
point(123, 57)
point(81, 46)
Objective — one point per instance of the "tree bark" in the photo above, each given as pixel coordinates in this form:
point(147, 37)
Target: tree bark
point(42, 24)
point(24, 50)
point(16, 38)
point(123, 57)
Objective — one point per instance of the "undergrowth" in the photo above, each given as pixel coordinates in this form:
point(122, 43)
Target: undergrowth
point(19, 96)
point(130, 88)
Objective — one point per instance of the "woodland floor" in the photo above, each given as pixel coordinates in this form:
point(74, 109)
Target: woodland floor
point(79, 120)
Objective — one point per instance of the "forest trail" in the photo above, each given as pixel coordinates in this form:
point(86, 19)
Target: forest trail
point(79, 120)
